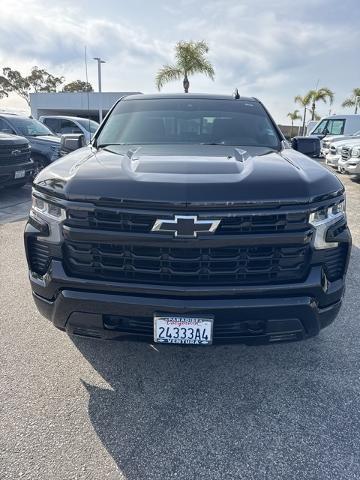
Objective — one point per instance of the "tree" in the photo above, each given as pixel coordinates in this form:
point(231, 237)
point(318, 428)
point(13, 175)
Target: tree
point(190, 59)
point(293, 117)
point(323, 94)
point(352, 101)
point(39, 80)
point(303, 102)
point(78, 86)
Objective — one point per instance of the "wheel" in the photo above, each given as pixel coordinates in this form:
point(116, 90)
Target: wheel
point(40, 163)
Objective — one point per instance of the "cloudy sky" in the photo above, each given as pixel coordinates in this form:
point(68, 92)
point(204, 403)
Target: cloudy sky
point(271, 49)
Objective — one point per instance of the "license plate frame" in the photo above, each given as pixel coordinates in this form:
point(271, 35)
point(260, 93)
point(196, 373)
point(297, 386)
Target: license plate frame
point(19, 174)
point(198, 329)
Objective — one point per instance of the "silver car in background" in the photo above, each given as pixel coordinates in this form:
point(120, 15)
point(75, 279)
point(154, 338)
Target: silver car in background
point(60, 124)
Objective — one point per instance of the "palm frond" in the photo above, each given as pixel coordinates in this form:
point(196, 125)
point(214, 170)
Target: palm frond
point(324, 94)
point(190, 57)
point(303, 101)
point(349, 102)
point(167, 74)
point(294, 115)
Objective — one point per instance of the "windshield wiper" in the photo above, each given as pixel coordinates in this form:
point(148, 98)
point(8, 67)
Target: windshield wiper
point(103, 145)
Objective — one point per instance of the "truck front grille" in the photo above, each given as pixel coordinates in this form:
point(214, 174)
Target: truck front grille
point(14, 154)
point(187, 266)
point(345, 153)
point(111, 219)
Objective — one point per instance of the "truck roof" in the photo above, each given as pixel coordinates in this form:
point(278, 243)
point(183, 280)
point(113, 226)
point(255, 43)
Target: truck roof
point(186, 96)
point(64, 117)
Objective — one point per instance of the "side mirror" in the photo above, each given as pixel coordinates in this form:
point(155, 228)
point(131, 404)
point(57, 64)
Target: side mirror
point(70, 142)
point(309, 146)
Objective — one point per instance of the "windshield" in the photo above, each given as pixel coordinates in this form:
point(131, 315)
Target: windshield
point(30, 127)
point(89, 125)
point(189, 121)
point(330, 127)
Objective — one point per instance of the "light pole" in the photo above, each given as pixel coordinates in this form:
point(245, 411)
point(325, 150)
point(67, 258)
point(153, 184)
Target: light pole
point(99, 62)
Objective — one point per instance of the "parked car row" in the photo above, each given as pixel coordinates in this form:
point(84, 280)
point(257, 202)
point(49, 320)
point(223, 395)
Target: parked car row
point(345, 157)
point(28, 145)
point(335, 128)
point(350, 161)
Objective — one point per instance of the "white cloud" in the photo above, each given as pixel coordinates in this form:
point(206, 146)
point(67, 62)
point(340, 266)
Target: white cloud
point(273, 50)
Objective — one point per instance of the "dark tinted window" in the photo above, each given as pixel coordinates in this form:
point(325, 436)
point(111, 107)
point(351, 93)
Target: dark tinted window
point(193, 121)
point(5, 127)
point(53, 124)
point(29, 126)
point(68, 126)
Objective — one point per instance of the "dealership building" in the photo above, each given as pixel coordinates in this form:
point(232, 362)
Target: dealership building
point(77, 104)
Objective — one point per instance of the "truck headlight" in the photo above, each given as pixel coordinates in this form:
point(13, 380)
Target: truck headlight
point(355, 152)
point(322, 219)
point(47, 209)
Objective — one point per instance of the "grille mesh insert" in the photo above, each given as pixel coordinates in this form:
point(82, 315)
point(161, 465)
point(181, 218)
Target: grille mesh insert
point(219, 265)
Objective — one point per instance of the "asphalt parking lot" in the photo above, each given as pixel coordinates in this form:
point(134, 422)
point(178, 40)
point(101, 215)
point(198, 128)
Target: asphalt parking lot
point(84, 409)
point(14, 204)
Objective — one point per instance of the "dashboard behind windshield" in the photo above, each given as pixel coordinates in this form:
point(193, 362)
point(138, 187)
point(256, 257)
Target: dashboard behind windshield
point(193, 121)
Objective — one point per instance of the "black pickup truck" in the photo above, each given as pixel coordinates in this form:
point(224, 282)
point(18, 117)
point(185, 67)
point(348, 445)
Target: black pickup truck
point(16, 166)
point(45, 146)
point(189, 219)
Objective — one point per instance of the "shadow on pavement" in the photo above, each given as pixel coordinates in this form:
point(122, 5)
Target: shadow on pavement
point(283, 411)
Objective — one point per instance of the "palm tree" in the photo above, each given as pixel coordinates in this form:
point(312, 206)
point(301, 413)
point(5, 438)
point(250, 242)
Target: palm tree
point(303, 102)
point(190, 59)
point(323, 94)
point(353, 100)
point(293, 117)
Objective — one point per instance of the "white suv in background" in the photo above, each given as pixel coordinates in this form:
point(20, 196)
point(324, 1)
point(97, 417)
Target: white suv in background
point(350, 160)
point(60, 124)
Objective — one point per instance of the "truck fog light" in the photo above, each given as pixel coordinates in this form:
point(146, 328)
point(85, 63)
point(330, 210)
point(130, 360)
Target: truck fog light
point(322, 219)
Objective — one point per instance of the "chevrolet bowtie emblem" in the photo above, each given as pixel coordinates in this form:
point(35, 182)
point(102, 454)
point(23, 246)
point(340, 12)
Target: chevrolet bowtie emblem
point(185, 226)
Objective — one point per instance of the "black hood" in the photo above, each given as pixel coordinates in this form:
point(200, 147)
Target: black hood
point(12, 140)
point(188, 174)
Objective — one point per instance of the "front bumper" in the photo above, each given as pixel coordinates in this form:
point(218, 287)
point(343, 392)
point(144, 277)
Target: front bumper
point(261, 313)
point(332, 160)
point(350, 166)
point(353, 168)
point(7, 173)
point(242, 314)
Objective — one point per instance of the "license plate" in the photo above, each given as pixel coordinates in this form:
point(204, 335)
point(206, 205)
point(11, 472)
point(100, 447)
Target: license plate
point(187, 330)
point(20, 174)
